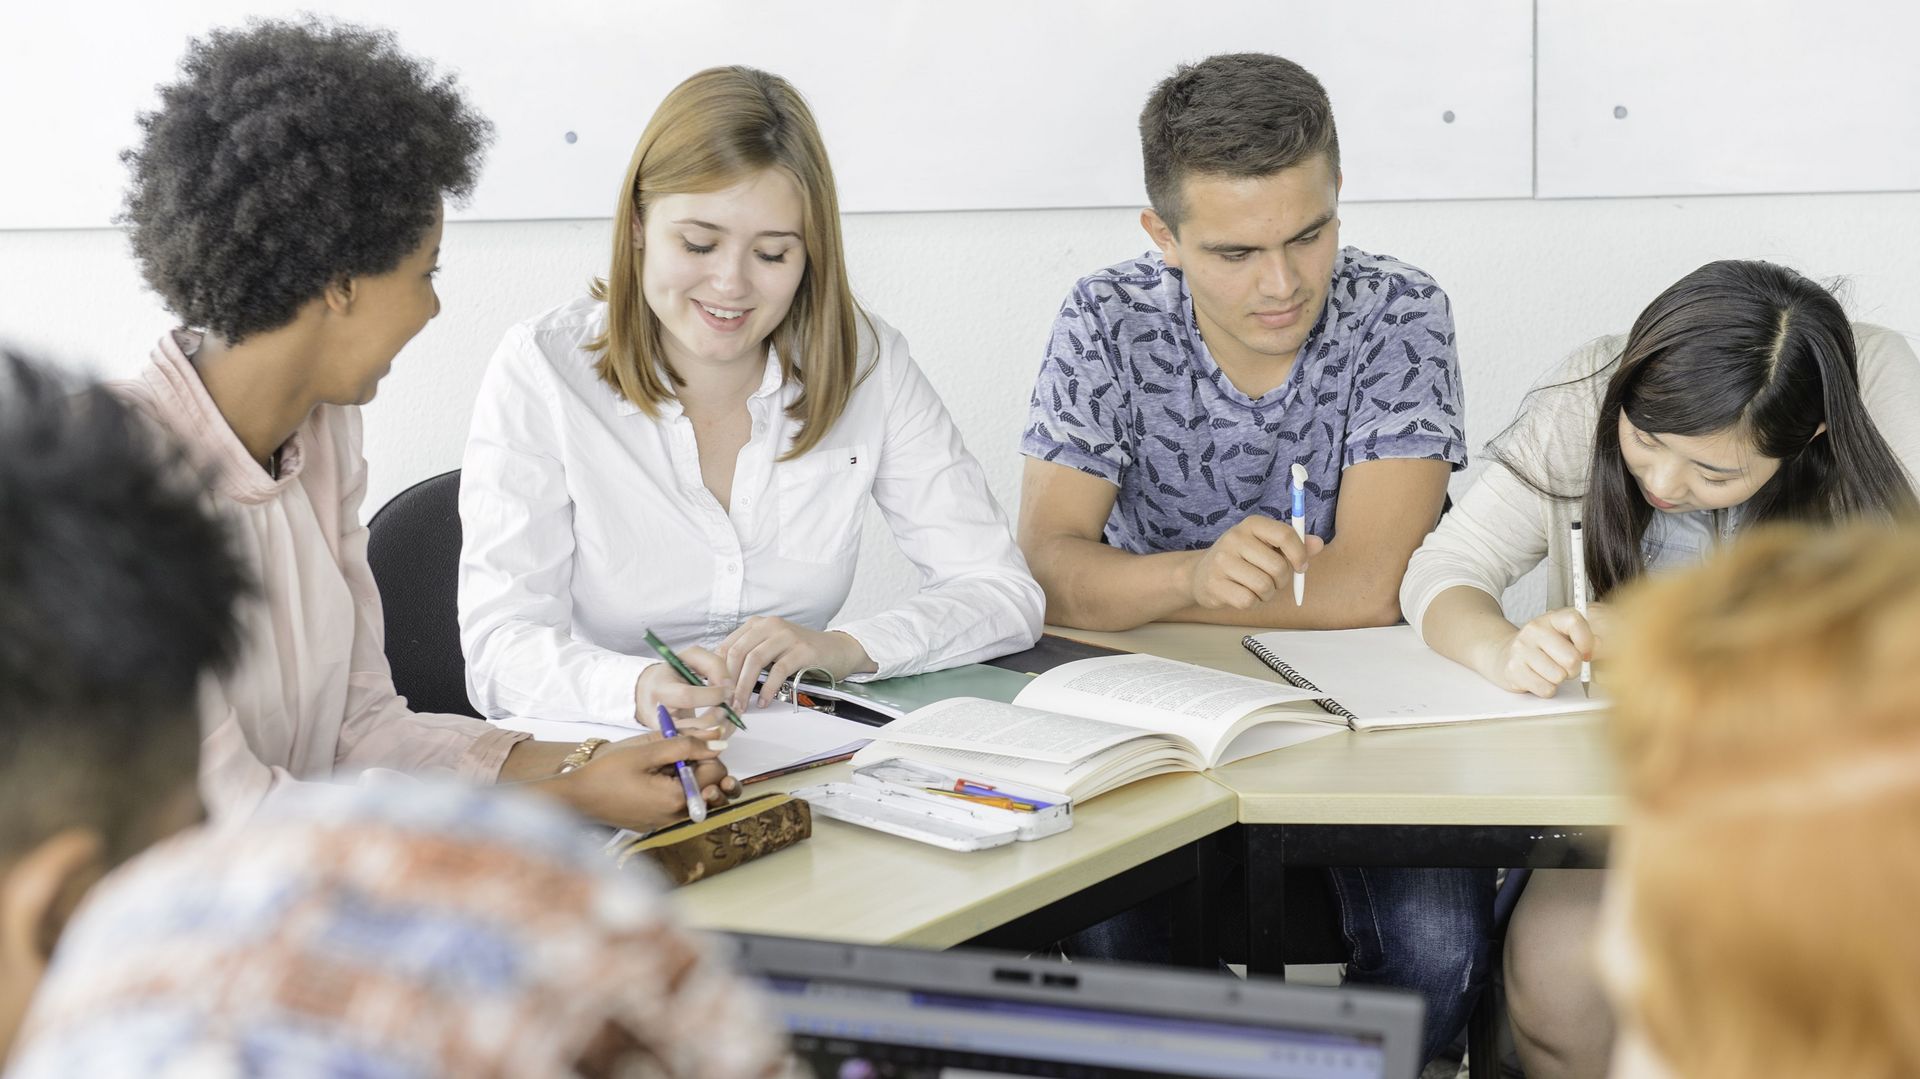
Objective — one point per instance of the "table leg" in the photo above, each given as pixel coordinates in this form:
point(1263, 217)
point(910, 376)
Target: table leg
point(1197, 905)
point(1265, 856)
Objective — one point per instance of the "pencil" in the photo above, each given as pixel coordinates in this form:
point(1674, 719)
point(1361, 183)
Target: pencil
point(1578, 555)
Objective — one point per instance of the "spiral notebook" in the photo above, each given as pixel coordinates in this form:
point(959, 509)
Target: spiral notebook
point(1380, 679)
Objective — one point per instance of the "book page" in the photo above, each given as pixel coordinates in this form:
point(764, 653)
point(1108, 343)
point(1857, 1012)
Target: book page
point(969, 723)
point(1388, 678)
point(1199, 705)
point(1136, 758)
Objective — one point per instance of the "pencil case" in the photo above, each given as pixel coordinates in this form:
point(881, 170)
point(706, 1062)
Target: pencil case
point(739, 833)
point(891, 796)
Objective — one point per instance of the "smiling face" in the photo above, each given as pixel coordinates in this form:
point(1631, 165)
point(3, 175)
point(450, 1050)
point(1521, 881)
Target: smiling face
point(1258, 257)
point(720, 269)
point(1683, 473)
point(382, 313)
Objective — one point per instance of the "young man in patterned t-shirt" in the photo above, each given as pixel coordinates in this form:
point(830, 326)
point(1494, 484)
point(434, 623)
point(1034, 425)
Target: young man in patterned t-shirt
point(1180, 388)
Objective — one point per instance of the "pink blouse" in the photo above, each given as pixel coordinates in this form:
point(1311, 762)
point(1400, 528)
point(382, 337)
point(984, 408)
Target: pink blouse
point(311, 697)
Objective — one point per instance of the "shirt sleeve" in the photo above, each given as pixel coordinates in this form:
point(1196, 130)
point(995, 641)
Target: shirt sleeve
point(1890, 388)
point(516, 559)
point(1407, 400)
point(977, 598)
point(233, 780)
point(1503, 526)
point(378, 729)
point(1077, 414)
point(1491, 537)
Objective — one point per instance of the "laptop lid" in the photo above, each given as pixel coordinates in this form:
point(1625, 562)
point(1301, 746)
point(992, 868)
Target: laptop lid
point(862, 1012)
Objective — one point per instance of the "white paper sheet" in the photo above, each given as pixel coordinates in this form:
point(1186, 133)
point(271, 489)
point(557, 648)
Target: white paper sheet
point(777, 737)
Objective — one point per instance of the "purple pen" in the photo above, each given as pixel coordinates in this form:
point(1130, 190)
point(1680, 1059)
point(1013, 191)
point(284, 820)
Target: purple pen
point(696, 805)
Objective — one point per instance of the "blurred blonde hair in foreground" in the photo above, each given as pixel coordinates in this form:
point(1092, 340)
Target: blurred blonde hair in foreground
point(1763, 918)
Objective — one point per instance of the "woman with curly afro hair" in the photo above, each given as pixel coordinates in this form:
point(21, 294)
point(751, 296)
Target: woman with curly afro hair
point(287, 205)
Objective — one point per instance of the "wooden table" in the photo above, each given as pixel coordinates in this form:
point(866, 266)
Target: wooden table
point(1507, 793)
point(860, 886)
point(1502, 794)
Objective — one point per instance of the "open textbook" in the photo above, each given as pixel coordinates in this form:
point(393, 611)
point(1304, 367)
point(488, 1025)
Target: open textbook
point(1381, 679)
point(1089, 726)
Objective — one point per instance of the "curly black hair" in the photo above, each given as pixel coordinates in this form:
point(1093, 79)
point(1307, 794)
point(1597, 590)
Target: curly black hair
point(118, 591)
point(291, 154)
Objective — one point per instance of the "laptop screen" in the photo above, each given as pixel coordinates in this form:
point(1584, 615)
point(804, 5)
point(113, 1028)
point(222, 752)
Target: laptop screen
point(847, 1026)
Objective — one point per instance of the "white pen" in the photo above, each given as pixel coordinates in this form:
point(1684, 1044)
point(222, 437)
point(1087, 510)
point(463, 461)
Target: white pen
point(1579, 557)
point(1300, 528)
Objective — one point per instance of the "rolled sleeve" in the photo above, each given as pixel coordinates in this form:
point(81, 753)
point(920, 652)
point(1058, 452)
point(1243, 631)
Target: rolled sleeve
point(1076, 415)
point(1408, 401)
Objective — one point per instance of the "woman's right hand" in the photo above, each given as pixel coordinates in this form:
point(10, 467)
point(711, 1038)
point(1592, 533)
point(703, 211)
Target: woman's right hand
point(1544, 653)
point(633, 784)
point(659, 685)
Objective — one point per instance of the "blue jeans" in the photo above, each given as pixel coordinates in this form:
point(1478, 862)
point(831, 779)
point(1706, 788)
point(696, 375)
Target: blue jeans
point(1424, 930)
point(1428, 930)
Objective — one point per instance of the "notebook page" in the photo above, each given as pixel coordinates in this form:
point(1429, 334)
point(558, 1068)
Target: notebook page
point(1388, 678)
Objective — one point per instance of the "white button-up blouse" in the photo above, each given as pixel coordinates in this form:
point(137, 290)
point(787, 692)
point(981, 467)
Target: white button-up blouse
point(586, 523)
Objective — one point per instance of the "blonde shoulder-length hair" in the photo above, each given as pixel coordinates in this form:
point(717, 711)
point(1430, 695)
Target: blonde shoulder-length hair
point(717, 128)
point(1767, 717)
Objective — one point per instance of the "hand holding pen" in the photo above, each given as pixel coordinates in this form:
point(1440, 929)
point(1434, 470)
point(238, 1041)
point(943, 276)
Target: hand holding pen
point(1246, 565)
point(633, 783)
point(683, 683)
point(696, 805)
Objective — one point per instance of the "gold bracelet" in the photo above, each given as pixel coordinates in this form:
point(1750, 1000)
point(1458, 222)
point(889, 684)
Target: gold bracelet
point(581, 754)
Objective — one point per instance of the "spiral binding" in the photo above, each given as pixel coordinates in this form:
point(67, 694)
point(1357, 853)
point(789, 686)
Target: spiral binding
point(1286, 671)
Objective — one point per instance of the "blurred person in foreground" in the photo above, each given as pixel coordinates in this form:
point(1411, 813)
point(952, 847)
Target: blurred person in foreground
point(1760, 921)
point(117, 592)
point(407, 928)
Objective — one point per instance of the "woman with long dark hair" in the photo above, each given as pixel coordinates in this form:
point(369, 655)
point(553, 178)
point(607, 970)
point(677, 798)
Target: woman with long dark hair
point(1741, 395)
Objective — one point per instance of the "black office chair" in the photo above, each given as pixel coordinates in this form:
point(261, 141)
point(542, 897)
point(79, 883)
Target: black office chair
point(413, 544)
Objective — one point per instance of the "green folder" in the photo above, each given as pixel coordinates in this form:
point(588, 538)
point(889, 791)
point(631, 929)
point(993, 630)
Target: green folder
point(895, 697)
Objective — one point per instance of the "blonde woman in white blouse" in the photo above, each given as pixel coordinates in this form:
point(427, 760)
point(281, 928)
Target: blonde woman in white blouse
point(692, 448)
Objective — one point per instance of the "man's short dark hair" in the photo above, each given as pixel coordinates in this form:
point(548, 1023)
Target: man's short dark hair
point(117, 590)
point(1242, 114)
point(289, 155)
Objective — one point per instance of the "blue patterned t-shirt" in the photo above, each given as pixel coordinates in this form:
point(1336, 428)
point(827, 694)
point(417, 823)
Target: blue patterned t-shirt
point(1129, 393)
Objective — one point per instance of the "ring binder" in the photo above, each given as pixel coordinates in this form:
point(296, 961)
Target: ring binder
point(789, 690)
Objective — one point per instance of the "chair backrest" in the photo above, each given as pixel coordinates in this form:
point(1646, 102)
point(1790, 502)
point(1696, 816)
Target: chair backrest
point(413, 544)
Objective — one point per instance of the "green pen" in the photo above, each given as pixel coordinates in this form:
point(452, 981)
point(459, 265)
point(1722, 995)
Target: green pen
point(680, 668)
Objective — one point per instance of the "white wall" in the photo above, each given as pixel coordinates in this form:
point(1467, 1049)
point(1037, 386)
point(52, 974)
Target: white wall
point(974, 293)
point(925, 105)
